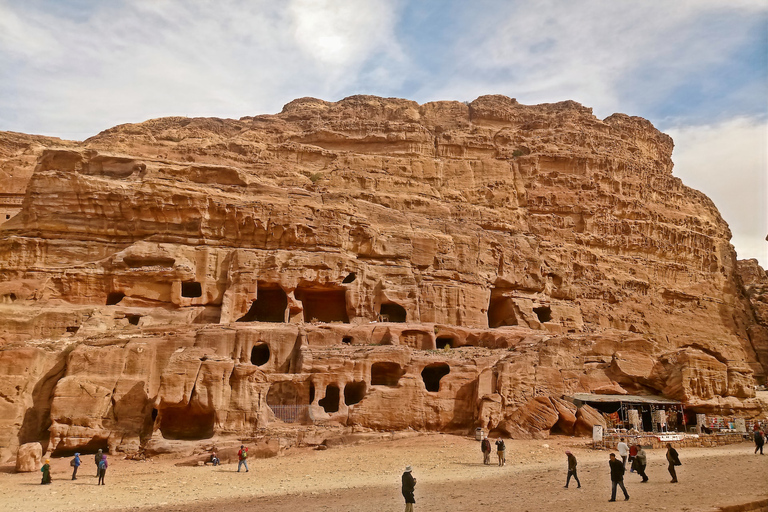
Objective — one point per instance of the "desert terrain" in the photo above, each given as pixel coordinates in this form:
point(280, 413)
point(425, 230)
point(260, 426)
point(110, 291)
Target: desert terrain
point(366, 477)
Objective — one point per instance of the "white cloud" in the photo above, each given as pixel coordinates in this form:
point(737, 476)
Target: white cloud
point(728, 161)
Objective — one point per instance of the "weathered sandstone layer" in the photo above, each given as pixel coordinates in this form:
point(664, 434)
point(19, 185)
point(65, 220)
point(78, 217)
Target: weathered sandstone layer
point(371, 262)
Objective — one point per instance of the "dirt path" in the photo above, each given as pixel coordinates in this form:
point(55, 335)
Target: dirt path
point(366, 478)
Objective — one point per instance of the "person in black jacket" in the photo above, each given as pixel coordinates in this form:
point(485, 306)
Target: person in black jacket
point(485, 447)
point(617, 477)
point(759, 442)
point(673, 460)
point(571, 470)
point(409, 484)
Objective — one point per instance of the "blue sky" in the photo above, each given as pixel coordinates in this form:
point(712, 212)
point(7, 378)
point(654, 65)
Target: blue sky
point(697, 69)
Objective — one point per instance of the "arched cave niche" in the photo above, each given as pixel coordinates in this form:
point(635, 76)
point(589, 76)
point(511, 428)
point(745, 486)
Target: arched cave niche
point(331, 401)
point(260, 354)
point(185, 423)
point(354, 392)
point(391, 312)
point(114, 298)
point(323, 305)
point(191, 289)
point(444, 342)
point(386, 374)
point(269, 306)
point(347, 340)
point(543, 313)
point(432, 373)
point(501, 312)
point(350, 278)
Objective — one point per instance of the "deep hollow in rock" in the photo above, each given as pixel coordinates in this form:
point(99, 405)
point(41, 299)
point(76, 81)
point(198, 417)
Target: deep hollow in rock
point(269, 306)
point(191, 289)
point(114, 298)
point(432, 373)
point(260, 354)
point(385, 374)
point(354, 392)
point(322, 305)
point(444, 342)
point(544, 313)
point(331, 401)
point(391, 312)
point(501, 312)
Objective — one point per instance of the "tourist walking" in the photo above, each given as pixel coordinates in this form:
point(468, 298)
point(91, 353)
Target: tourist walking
point(572, 470)
point(46, 469)
point(632, 455)
point(623, 451)
point(96, 460)
point(501, 451)
point(102, 469)
point(759, 441)
point(409, 485)
point(242, 455)
point(617, 477)
point(485, 447)
point(674, 460)
point(639, 463)
point(75, 463)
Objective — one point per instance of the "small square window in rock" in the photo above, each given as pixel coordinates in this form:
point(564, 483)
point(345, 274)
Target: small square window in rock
point(191, 289)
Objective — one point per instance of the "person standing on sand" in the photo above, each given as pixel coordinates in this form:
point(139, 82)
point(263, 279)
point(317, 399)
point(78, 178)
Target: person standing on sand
point(572, 470)
point(501, 451)
point(632, 455)
point(759, 442)
point(674, 460)
point(242, 455)
point(623, 451)
point(97, 459)
point(409, 485)
point(617, 477)
point(102, 469)
point(485, 447)
point(75, 464)
point(46, 469)
point(640, 462)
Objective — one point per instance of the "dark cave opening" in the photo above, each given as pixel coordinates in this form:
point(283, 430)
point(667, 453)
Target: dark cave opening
point(114, 298)
point(432, 373)
point(544, 313)
point(354, 392)
point(501, 312)
point(191, 289)
point(391, 312)
point(386, 374)
point(444, 342)
point(331, 401)
point(322, 305)
point(260, 354)
point(269, 306)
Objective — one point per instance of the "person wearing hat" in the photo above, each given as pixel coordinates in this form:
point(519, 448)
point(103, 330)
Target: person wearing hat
point(572, 470)
point(409, 484)
point(46, 469)
point(242, 455)
point(75, 463)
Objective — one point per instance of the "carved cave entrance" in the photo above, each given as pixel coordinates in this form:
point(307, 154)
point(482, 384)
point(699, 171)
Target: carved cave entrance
point(386, 374)
point(323, 305)
point(114, 297)
point(354, 392)
point(191, 289)
point(331, 401)
point(285, 400)
point(260, 354)
point(432, 373)
point(186, 423)
point(501, 311)
point(391, 312)
point(444, 342)
point(269, 306)
point(544, 313)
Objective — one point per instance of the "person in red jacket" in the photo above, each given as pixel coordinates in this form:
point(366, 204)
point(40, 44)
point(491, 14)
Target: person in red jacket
point(242, 455)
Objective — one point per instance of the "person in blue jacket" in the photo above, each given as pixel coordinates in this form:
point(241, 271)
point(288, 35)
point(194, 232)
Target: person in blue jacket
point(75, 464)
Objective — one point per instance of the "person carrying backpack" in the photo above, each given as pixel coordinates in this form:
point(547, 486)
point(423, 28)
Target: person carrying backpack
point(242, 455)
point(75, 463)
point(501, 451)
point(96, 460)
point(102, 469)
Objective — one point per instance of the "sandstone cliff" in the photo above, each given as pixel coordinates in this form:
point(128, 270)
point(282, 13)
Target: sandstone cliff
point(369, 262)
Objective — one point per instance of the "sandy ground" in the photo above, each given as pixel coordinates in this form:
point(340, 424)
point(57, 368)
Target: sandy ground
point(362, 478)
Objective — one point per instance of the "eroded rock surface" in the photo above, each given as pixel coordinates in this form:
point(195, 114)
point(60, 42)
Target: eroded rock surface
point(370, 262)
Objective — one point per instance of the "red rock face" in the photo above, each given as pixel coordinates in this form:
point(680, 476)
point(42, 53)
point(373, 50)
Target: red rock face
point(370, 262)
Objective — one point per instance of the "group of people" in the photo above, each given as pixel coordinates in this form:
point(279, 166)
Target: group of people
point(100, 458)
point(635, 455)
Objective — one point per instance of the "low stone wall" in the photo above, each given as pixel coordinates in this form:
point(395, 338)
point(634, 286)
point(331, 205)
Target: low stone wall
point(654, 441)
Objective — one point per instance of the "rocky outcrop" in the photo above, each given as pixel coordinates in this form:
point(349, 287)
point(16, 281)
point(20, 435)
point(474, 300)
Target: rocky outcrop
point(29, 458)
point(372, 263)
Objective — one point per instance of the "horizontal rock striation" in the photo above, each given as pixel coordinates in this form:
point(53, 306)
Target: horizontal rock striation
point(369, 262)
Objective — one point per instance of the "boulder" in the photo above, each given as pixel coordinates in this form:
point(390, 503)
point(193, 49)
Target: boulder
point(29, 458)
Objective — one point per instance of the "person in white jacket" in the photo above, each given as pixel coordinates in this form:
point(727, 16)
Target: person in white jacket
point(623, 451)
